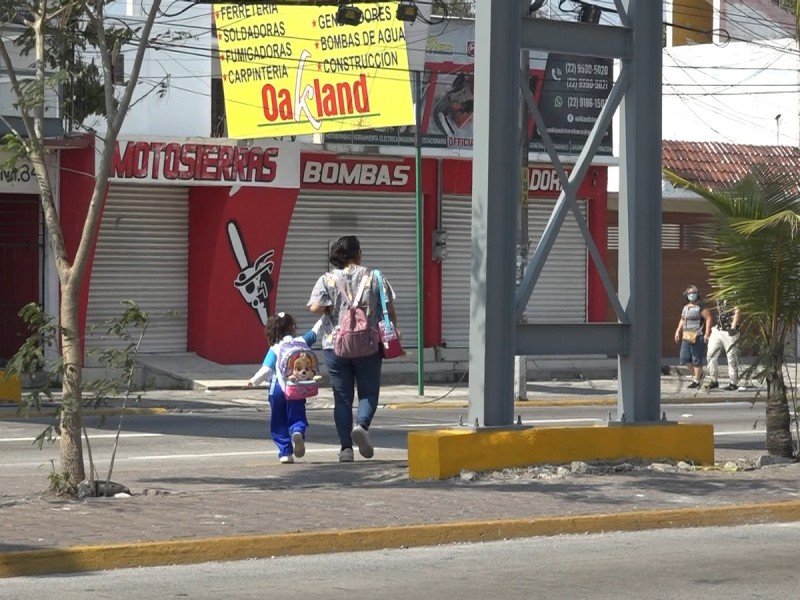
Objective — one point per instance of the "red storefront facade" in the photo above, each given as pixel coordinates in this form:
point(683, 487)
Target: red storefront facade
point(213, 238)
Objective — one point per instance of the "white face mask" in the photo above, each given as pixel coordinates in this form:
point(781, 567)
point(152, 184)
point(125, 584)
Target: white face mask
point(692, 296)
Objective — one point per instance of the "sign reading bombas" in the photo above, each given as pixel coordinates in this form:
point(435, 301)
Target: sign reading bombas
point(293, 70)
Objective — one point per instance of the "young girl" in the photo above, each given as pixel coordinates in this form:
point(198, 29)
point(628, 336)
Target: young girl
point(288, 420)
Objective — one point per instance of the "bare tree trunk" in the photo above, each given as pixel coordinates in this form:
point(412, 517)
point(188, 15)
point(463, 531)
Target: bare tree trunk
point(779, 432)
point(71, 451)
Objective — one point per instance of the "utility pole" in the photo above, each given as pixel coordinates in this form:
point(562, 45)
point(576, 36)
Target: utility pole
point(521, 361)
point(495, 207)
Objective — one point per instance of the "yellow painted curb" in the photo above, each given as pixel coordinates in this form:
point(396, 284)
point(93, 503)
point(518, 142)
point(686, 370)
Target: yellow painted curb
point(191, 551)
point(433, 404)
point(445, 452)
point(518, 403)
point(555, 402)
point(10, 387)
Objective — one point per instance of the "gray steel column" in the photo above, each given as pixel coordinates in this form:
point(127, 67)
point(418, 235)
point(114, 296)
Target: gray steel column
point(523, 237)
point(640, 216)
point(495, 197)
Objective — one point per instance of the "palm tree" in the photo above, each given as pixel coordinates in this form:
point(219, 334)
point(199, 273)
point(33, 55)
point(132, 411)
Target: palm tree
point(755, 245)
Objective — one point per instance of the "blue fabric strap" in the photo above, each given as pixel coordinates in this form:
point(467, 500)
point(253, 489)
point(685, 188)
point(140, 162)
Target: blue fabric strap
point(386, 320)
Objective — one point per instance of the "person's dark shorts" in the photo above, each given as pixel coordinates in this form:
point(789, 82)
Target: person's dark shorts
point(693, 353)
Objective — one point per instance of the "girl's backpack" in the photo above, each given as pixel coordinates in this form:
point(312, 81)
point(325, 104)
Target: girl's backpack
point(297, 369)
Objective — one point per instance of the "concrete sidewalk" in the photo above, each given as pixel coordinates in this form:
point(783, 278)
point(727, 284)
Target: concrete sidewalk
point(264, 509)
point(586, 392)
point(188, 371)
point(580, 380)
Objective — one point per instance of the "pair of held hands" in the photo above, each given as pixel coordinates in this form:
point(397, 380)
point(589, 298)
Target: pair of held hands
point(399, 337)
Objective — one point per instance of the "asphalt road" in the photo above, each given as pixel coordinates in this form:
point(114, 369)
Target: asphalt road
point(710, 563)
point(214, 439)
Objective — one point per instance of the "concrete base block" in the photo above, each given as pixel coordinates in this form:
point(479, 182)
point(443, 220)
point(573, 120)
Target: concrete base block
point(444, 453)
point(10, 387)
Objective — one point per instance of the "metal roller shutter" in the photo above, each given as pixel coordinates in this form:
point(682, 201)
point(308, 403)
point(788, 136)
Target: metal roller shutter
point(560, 293)
point(386, 226)
point(143, 255)
point(456, 268)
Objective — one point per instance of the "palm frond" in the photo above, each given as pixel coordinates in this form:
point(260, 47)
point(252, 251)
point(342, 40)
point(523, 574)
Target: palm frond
point(754, 245)
point(788, 218)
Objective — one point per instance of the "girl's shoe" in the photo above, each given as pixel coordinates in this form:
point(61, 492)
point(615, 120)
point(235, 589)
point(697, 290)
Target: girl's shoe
point(299, 444)
point(287, 460)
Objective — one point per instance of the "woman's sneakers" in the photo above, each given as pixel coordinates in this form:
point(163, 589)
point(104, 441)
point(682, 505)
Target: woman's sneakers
point(346, 455)
point(299, 444)
point(695, 382)
point(360, 437)
point(287, 460)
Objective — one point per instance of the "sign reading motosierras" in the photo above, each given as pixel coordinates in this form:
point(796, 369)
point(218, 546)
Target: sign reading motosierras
point(198, 163)
point(293, 70)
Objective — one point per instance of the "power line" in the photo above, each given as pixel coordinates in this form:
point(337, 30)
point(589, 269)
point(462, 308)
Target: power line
point(203, 52)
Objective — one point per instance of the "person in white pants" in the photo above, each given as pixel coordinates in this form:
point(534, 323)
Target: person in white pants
point(725, 336)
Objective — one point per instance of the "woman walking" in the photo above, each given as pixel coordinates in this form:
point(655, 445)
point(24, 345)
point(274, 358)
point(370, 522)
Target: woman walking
point(347, 287)
point(694, 329)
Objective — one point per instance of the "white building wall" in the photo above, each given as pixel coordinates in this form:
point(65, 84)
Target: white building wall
point(733, 93)
point(23, 66)
point(754, 19)
point(181, 68)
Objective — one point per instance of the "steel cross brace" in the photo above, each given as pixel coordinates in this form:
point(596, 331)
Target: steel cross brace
point(567, 198)
point(611, 42)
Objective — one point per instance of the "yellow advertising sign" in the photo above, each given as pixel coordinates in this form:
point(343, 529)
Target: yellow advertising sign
point(293, 70)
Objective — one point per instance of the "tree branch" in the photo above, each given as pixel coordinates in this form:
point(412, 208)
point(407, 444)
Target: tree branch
point(65, 8)
point(114, 120)
point(124, 102)
point(38, 31)
point(12, 77)
point(154, 86)
point(98, 21)
point(13, 130)
point(33, 143)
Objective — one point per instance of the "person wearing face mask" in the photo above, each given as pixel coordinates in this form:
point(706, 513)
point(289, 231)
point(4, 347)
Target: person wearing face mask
point(694, 329)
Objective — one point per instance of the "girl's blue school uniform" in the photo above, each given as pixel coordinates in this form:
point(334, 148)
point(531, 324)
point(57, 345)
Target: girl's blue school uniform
point(286, 416)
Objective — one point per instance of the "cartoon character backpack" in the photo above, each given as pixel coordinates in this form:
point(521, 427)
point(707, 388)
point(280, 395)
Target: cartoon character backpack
point(297, 369)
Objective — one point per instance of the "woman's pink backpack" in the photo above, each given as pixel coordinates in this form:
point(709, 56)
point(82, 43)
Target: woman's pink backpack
point(354, 337)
